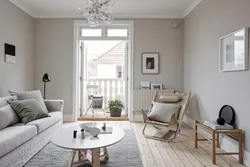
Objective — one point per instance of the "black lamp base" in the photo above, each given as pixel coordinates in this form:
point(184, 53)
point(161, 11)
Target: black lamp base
point(44, 90)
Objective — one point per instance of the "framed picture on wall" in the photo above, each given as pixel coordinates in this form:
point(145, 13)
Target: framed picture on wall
point(150, 63)
point(234, 51)
point(145, 86)
point(156, 86)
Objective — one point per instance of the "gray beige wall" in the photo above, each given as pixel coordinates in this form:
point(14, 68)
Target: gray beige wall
point(16, 28)
point(212, 89)
point(54, 54)
point(157, 35)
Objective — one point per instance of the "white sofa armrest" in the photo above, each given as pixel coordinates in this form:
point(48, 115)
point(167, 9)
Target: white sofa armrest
point(54, 105)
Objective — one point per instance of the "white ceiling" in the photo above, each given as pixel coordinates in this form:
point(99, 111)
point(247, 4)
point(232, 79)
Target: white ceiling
point(122, 8)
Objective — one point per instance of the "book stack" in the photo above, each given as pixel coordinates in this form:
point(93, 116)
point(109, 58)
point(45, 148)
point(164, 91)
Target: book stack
point(108, 130)
point(215, 126)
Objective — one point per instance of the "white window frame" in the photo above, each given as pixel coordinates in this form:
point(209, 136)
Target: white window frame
point(78, 25)
point(117, 28)
point(80, 32)
point(105, 28)
point(122, 71)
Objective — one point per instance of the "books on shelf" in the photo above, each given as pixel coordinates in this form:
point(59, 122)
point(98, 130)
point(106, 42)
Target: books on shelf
point(215, 126)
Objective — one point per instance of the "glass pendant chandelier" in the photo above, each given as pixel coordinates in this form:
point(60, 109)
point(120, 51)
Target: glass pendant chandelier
point(97, 10)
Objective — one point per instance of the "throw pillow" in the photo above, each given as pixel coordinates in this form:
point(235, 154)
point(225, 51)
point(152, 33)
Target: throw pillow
point(28, 110)
point(170, 99)
point(163, 112)
point(36, 94)
point(8, 117)
point(4, 101)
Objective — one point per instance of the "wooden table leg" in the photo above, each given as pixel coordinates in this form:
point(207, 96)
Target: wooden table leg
point(106, 154)
point(71, 162)
point(96, 157)
point(195, 135)
point(240, 147)
point(213, 149)
point(218, 140)
point(79, 155)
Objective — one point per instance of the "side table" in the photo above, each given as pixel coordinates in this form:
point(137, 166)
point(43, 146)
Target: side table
point(237, 133)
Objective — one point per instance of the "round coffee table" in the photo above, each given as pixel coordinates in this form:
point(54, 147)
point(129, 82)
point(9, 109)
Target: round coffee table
point(64, 139)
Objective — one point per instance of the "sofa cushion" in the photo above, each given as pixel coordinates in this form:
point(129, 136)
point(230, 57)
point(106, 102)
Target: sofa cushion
point(36, 94)
point(4, 100)
point(8, 117)
point(14, 136)
point(45, 123)
point(28, 110)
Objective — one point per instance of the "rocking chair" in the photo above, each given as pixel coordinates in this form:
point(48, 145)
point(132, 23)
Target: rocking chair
point(176, 120)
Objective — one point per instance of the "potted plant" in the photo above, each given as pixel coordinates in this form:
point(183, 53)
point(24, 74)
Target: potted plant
point(115, 107)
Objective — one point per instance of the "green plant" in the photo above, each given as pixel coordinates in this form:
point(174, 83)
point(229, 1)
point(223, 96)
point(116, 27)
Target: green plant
point(116, 104)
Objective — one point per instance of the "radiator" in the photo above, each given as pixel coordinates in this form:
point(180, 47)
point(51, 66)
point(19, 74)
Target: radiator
point(143, 98)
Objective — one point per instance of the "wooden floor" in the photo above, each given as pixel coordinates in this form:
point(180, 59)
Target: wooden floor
point(180, 153)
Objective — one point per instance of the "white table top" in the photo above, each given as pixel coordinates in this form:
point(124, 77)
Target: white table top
point(64, 139)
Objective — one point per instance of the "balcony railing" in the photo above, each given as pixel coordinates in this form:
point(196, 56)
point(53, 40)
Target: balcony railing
point(110, 89)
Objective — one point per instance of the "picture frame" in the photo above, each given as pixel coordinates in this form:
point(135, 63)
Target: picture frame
point(10, 53)
point(156, 86)
point(150, 63)
point(145, 86)
point(234, 51)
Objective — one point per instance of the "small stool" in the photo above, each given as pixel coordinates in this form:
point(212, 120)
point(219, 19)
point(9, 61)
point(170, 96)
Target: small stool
point(215, 140)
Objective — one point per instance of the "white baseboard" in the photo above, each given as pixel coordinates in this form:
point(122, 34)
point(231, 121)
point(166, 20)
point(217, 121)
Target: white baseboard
point(231, 145)
point(188, 121)
point(226, 143)
point(69, 118)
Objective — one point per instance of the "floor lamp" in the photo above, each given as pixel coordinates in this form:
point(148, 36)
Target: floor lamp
point(46, 79)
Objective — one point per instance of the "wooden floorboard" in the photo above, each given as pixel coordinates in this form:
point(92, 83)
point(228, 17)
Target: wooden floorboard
point(180, 153)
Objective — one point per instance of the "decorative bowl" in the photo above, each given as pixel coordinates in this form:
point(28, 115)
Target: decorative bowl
point(87, 125)
point(94, 131)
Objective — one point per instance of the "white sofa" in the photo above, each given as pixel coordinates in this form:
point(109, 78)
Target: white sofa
point(19, 142)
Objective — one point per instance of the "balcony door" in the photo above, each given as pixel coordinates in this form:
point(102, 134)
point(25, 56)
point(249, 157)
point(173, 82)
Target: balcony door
point(104, 67)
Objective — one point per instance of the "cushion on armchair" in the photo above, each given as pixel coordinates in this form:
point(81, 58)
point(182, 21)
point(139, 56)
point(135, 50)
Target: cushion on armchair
point(170, 99)
point(163, 112)
point(36, 94)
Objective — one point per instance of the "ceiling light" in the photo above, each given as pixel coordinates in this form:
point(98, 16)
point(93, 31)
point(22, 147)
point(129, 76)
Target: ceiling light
point(97, 10)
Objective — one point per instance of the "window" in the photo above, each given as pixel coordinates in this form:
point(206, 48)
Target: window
point(119, 71)
point(117, 32)
point(92, 32)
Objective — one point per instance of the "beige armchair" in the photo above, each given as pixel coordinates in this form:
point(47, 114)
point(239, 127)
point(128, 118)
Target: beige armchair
point(165, 128)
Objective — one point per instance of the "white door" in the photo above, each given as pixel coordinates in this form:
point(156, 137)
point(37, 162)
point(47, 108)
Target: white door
point(83, 78)
point(126, 77)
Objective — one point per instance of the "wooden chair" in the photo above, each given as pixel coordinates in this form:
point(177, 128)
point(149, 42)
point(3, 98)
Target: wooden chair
point(175, 121)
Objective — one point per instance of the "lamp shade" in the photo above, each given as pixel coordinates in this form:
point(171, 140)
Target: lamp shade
point(46, 78)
